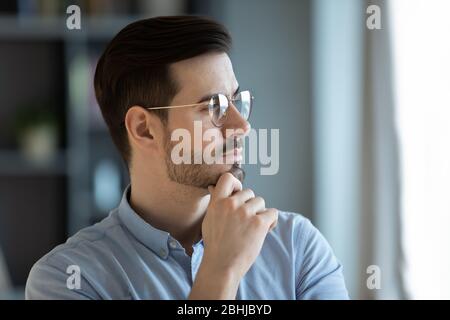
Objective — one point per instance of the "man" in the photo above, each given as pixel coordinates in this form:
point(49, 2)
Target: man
point(183, 230)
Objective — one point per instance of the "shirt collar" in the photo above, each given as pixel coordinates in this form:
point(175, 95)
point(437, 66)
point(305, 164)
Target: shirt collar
point(154, 239)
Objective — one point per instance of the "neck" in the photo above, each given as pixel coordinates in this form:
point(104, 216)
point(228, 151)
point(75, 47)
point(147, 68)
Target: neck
point(170, 207)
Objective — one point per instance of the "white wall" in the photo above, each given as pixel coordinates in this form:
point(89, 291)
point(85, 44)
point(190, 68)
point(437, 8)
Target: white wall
point(271, 57)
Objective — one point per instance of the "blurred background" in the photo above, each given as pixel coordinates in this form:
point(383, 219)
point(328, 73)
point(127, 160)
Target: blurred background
point(363, 116)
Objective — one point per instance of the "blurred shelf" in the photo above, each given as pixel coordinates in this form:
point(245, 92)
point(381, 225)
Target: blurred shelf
point(44, 58)
point(14, 163)
point(96, 27)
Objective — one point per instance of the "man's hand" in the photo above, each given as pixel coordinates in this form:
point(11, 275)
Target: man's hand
point(234, 228)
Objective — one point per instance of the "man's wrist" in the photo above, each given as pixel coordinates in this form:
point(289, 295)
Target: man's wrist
point(211, 283)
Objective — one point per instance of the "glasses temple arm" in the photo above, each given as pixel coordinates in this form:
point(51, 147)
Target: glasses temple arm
point(173, 107)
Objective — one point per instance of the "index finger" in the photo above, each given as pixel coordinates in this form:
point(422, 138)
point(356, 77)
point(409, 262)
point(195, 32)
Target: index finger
point(226, 186)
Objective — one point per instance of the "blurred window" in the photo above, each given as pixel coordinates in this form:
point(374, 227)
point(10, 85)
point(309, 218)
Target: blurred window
point(421, 56)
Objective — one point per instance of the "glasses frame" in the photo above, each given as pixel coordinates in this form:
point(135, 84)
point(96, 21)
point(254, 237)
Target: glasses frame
point(208, 103)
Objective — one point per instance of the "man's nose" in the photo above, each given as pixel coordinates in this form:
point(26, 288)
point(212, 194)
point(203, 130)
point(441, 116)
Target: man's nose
point(236, 122)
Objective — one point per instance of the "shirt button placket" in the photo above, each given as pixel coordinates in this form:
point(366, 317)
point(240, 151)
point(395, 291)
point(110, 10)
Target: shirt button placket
point(172, 244)
point(163, 252)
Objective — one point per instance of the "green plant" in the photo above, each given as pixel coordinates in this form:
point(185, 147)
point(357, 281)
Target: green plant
point(31, 116)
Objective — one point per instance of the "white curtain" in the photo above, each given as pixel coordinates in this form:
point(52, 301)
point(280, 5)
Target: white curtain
point(421, 30)
point(381, 224)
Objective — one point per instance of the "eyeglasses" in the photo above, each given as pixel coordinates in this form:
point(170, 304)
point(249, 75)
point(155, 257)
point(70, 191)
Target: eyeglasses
point(218, 106)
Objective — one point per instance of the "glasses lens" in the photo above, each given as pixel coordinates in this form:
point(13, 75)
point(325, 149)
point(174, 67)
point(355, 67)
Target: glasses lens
point(243, 102)
point(218, 106)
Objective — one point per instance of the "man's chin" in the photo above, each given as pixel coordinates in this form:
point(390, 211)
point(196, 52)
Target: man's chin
point(238, 172)
point(202, 176)
point(235, 169)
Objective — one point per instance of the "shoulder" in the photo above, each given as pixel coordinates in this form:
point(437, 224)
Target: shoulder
point(290, 238)
point(293, 228)
point(48, 276)
point(87, 241)
point(300, 237)
point(318, 272)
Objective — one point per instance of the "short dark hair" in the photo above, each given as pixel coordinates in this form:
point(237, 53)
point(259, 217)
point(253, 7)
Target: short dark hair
point(134, 68)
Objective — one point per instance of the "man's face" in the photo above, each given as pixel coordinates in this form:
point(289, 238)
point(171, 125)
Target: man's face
point(197, 78)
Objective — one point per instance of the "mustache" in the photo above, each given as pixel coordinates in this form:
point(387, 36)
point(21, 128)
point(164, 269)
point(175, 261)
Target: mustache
point(230, 144)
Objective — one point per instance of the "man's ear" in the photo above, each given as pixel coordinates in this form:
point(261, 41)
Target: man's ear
point(142, 127)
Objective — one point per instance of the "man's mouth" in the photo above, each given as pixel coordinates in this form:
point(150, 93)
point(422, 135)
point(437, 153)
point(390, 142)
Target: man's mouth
point(233, 156)
point(233, 146)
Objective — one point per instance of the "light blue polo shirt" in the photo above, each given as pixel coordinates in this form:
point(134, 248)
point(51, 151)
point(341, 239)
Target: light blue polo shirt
point(124, 257)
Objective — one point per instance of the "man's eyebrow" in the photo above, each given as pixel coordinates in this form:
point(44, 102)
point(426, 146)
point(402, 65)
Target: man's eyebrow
point(208, 96)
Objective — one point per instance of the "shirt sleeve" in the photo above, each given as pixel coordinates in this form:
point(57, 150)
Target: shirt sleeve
point(319, 272)
point(47, 281)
